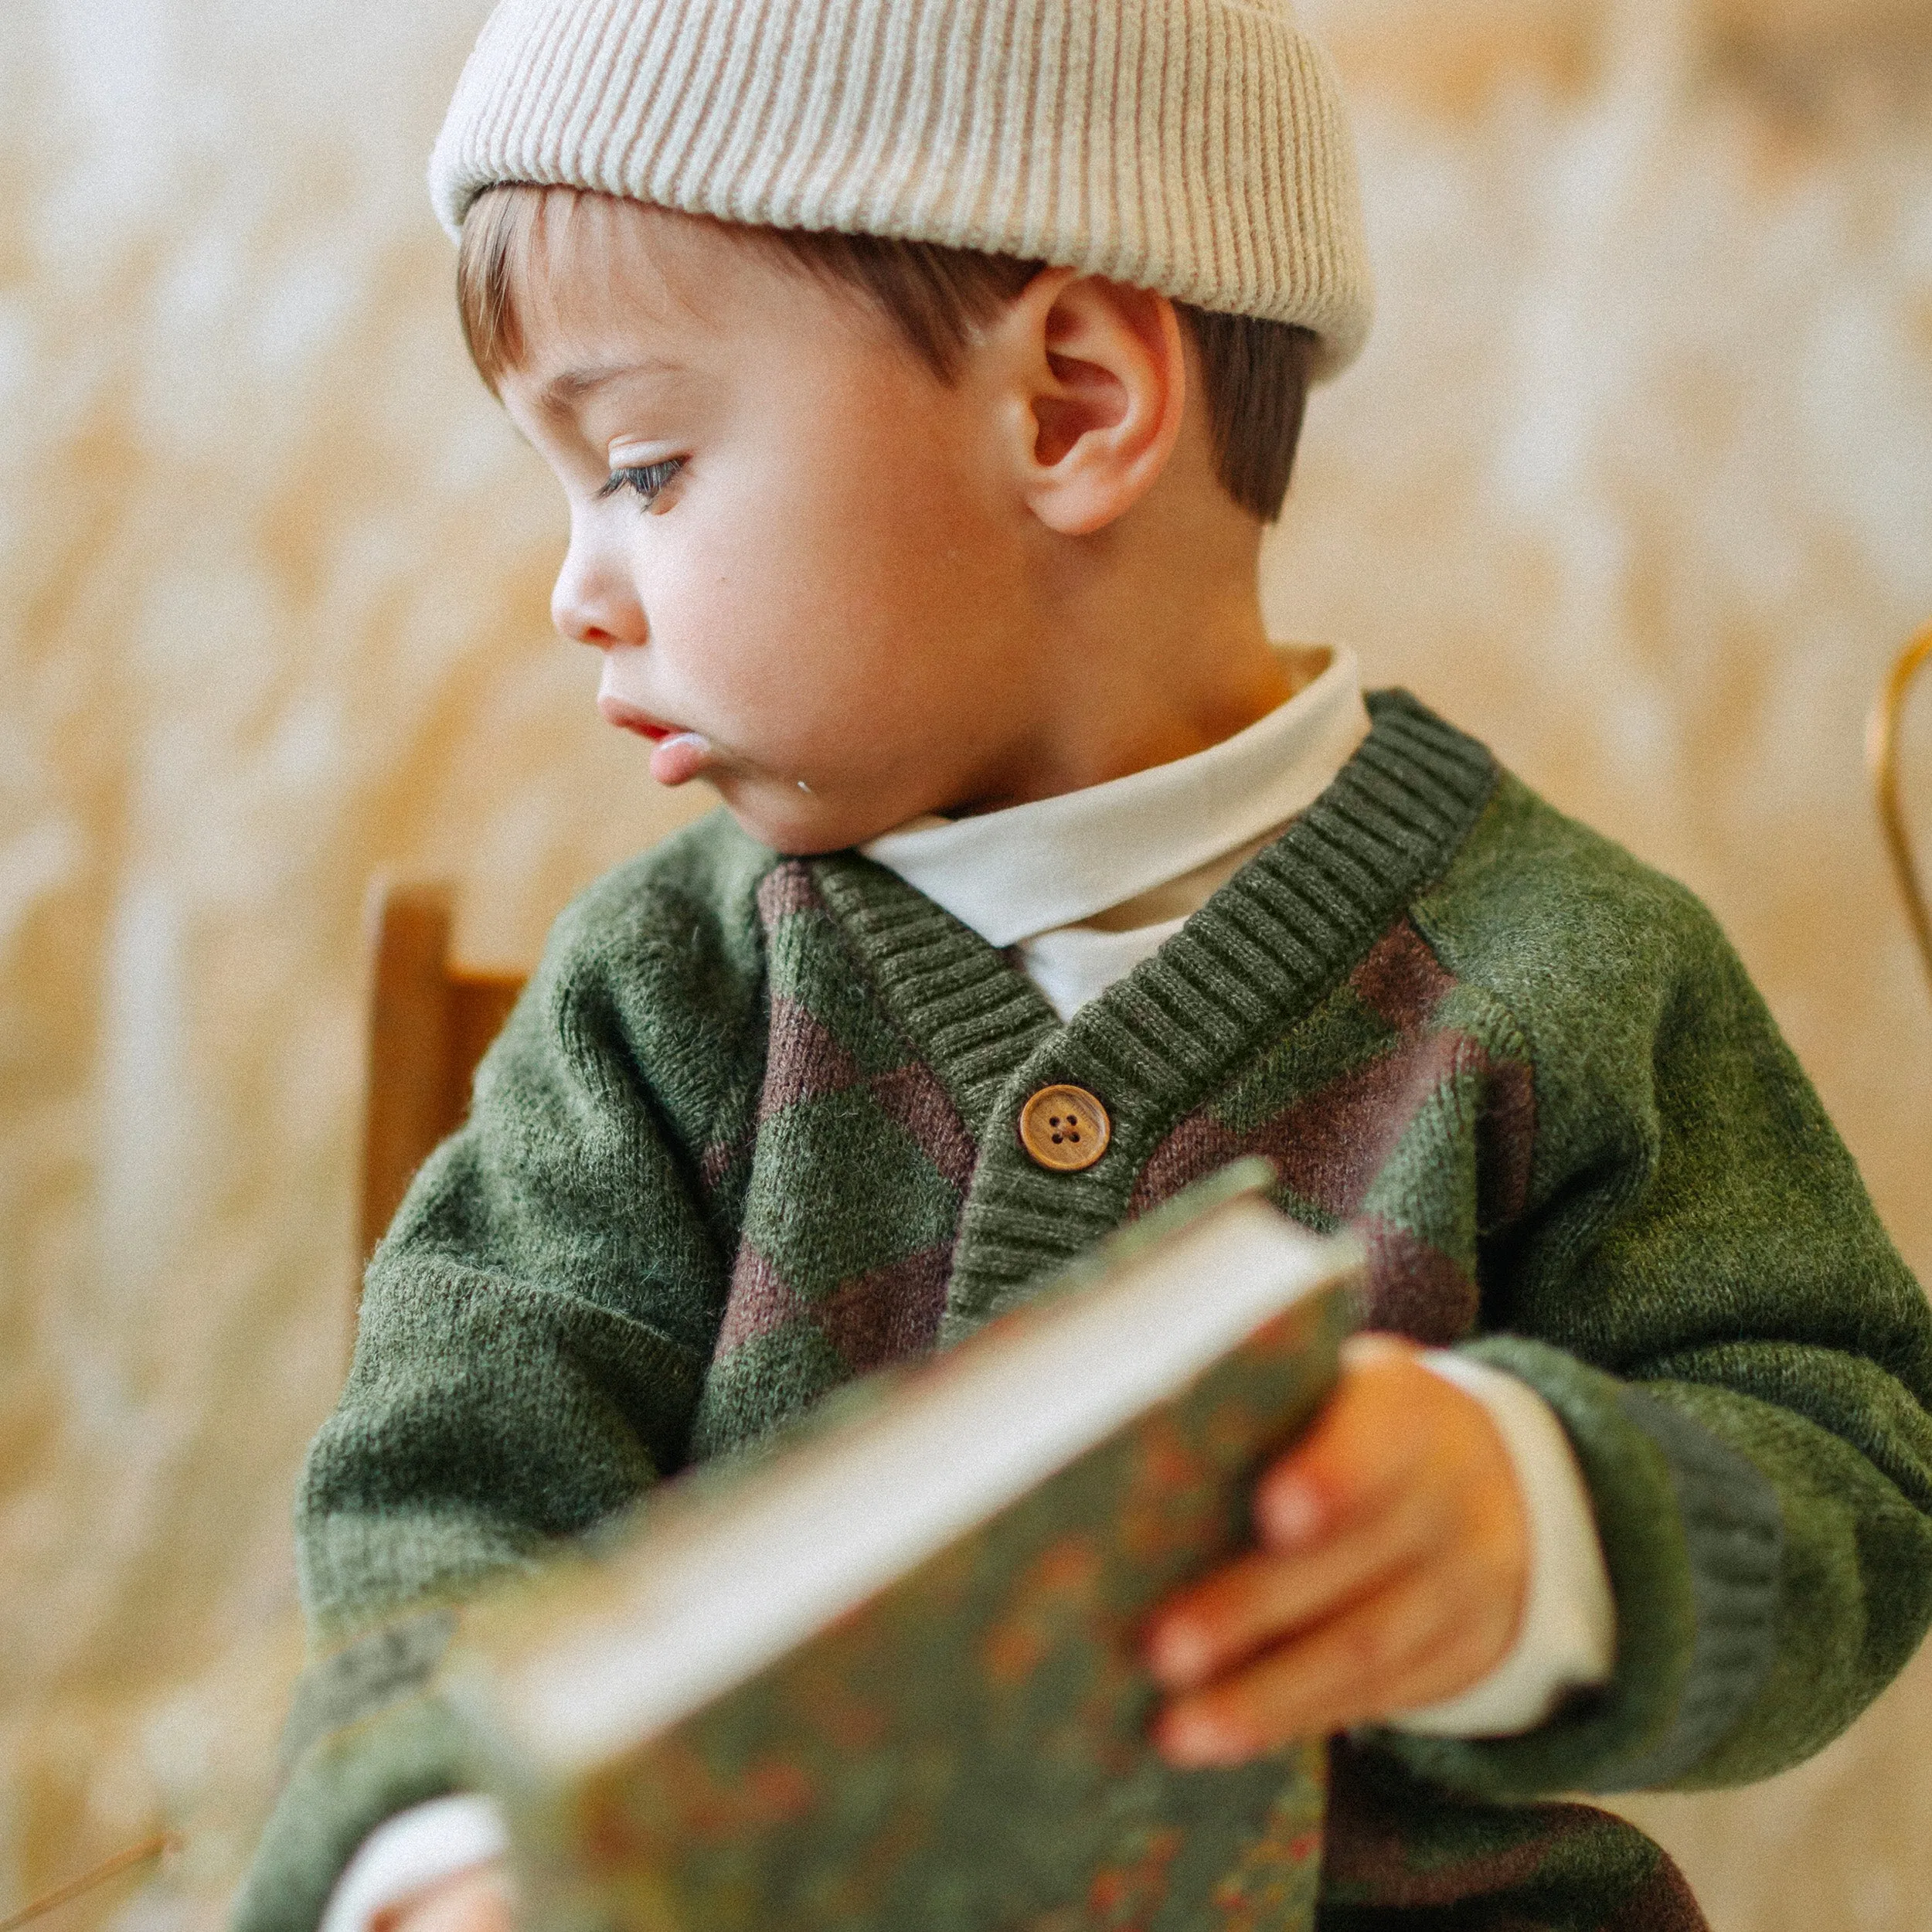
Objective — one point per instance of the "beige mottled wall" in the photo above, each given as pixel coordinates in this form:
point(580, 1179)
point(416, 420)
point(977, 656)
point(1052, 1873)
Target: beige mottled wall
point(1637, 480)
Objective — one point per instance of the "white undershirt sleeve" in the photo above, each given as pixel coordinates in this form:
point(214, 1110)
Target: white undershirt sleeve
point(417, 1848)
point(1568, 1637)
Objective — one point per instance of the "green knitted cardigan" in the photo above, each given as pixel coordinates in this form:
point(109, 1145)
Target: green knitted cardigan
point(750, 1132)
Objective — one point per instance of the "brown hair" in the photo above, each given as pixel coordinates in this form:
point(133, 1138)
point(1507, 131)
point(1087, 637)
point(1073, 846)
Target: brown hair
point(1254, 373)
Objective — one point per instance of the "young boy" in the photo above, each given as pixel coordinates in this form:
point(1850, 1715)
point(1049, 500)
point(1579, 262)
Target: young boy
point(921, 377)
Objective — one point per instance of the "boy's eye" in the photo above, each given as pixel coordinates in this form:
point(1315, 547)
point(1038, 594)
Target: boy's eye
point(647, 479)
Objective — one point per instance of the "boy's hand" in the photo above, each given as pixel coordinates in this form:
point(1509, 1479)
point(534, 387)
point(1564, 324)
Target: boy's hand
point(1393, 1566)
point(478, 1899)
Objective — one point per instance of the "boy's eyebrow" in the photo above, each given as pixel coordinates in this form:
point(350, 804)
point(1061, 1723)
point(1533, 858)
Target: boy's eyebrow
point(571, 385)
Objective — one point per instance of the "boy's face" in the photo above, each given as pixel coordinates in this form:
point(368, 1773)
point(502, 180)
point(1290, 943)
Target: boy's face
point(799, 552)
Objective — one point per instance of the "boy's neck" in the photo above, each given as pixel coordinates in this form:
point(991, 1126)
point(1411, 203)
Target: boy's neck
point(1152, 647)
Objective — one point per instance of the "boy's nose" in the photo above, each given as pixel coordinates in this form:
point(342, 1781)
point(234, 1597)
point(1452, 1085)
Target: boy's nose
point(594, 601)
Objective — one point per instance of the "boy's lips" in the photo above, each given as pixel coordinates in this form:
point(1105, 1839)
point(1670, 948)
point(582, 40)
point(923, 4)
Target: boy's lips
point(679, 754)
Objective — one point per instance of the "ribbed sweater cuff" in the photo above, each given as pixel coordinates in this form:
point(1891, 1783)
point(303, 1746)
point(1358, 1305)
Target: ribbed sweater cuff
point(394, 1661)
point(1693, 1539)
point(343, 1787)
point(366, 1738)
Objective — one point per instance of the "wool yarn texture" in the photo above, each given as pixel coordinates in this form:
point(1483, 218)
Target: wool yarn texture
point(1197, 147)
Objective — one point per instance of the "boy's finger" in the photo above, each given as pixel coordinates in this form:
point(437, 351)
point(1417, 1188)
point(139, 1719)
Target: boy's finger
point(1259, 1599)
point(1374, 1657)
point(1359, 1454)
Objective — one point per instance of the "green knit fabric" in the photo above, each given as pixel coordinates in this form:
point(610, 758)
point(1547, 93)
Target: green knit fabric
point(751, 1132)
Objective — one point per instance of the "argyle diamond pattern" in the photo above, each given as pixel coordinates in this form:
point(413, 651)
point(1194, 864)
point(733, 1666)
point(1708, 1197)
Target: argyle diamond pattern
point(850, 1113)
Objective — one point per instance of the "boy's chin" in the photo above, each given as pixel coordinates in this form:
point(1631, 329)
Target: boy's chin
point(794, 824)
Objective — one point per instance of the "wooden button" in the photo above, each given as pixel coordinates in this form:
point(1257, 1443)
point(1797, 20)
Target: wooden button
point(1065, 1128)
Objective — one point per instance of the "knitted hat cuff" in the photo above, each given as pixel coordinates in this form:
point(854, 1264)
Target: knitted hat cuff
point(1194, 146)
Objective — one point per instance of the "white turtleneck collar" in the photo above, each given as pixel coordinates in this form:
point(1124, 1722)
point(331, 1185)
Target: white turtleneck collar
point(1084, 885)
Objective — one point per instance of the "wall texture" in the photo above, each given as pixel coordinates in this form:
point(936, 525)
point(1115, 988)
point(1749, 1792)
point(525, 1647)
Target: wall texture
point(1636, 480)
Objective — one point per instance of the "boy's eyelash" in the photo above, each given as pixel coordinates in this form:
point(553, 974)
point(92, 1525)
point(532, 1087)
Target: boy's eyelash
point(646, 478)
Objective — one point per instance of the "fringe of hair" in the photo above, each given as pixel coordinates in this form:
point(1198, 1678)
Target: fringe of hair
point(1256, 373)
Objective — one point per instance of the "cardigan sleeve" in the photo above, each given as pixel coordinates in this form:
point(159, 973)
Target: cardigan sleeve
point(1701, 1290)
point(534, 1333)
point(536, 1323)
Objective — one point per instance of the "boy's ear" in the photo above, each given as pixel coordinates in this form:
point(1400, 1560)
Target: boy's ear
point(1096, 379)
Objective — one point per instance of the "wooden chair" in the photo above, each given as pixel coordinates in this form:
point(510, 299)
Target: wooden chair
point(1883, 745)
point(429, 1021)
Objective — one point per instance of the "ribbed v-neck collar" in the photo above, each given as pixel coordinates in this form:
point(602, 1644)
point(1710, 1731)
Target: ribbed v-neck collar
point(1032, 868)
point(1245, 968)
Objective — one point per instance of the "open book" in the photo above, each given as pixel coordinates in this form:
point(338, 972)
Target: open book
point(885, 1678)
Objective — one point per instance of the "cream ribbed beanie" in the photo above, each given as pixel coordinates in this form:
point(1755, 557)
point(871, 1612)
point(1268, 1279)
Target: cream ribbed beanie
point(1195, 146)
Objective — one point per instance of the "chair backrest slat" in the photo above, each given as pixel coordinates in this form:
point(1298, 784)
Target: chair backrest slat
point(430, 1022)
point(1881, 745)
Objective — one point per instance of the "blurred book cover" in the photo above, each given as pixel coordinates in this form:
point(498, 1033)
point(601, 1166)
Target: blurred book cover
point(887, 1676)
